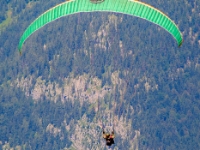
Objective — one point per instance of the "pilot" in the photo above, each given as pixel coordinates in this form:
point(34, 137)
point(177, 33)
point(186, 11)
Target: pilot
point(109, 138)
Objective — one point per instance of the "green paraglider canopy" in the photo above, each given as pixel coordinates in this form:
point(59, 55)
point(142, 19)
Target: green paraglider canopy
point(130, 7)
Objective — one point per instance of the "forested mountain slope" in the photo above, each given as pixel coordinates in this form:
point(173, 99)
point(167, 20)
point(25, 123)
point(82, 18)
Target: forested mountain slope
point(88, 68)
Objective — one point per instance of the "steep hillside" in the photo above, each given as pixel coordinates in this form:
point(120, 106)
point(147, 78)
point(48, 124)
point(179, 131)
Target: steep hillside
point(91, 68)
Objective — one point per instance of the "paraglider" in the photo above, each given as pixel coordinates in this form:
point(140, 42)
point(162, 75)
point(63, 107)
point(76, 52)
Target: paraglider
point(109, 137)
point(130, 7)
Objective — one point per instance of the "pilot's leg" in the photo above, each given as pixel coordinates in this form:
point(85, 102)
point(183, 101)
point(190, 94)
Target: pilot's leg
point(113, 134)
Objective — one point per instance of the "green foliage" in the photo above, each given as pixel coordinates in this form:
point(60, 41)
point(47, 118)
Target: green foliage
point(167, 115)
